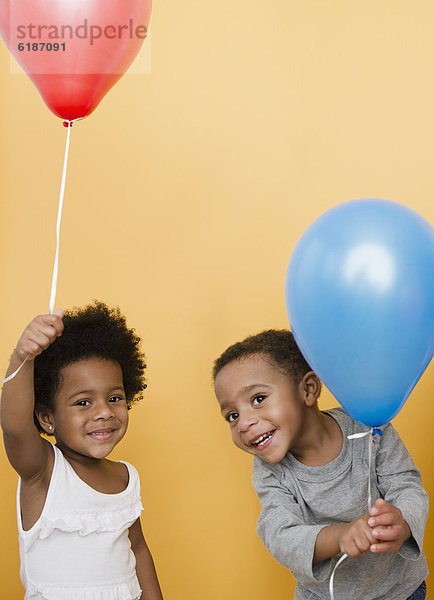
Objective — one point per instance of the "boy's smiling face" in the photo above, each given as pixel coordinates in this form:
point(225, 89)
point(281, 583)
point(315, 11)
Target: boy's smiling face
point(265, 409)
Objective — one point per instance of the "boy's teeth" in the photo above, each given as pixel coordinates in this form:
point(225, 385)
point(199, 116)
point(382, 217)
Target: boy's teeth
point(263, 438)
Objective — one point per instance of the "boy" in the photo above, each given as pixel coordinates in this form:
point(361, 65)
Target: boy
point(312, 481)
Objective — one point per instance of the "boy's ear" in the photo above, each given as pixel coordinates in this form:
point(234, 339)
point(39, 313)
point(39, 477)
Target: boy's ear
point(46, 421)
point(311, 386)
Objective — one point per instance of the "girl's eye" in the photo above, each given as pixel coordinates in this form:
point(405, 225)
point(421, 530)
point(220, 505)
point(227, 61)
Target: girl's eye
point(116, 399)
point(231, 417)
point(258, 399)
point(82, 403)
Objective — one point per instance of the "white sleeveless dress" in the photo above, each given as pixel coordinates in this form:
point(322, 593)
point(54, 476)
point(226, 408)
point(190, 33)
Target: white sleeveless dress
point(79, 547)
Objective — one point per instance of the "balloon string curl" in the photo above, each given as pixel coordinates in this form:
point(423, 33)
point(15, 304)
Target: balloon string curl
point(354, 436)
point(12, 375)
point(67, 124)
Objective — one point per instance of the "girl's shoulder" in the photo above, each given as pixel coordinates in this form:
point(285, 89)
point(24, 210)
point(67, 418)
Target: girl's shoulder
point(121, 476)
point(108, 477)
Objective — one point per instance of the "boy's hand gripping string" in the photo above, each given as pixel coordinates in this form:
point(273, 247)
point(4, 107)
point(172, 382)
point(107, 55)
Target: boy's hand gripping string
point(371, 434)
point(67, 124)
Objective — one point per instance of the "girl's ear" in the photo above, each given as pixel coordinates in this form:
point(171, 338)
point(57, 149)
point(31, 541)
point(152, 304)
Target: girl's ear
point(46, 421)
point(311, 386)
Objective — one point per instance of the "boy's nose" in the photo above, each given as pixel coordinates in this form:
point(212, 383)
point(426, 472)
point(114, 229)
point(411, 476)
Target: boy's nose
point(246, 421)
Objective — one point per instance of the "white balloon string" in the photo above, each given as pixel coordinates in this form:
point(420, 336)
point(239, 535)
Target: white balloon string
point(56, 257)
point(12, 375)
point(355, 436)
point(371, 441)
point(371, 434)
point(341, 560)
point(59, 219)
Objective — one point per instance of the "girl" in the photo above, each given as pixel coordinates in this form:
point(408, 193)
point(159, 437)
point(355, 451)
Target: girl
point(78, 512)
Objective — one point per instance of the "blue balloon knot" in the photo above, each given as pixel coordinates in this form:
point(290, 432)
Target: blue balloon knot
point(376, 430)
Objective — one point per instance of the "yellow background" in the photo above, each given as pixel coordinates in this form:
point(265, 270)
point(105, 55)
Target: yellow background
point(187, 190)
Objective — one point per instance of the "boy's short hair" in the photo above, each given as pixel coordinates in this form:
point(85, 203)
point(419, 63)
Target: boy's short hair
point(93, 331)
point(278, 345)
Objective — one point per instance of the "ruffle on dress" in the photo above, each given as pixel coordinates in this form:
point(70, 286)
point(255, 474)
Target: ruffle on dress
point(125, 590)
point(84, 524)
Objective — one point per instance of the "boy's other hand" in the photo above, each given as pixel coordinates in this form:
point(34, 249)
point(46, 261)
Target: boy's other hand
point(389, 527)
point(39, 334)
point(356, 537)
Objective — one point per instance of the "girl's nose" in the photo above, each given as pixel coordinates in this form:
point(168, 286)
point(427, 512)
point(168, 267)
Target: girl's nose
point(103, 410)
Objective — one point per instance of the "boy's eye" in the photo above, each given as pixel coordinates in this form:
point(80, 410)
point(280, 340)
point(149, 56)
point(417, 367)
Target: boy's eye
point(231, 417)
point(258, 399)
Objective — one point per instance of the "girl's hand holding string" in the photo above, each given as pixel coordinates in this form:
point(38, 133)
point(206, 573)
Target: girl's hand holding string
point(38, 335)
point(28, 453)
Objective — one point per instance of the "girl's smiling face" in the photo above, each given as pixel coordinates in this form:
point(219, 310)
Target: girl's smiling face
point(265, 409)
point(90, 414)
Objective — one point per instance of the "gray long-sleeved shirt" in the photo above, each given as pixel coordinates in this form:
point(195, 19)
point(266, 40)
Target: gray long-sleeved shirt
point(298, 501)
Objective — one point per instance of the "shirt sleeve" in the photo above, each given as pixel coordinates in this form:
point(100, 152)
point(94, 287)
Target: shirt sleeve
point(400, 484)
point(282, 529)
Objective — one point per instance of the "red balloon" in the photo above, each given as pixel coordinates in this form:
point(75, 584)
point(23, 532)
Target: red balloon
point(74, 51)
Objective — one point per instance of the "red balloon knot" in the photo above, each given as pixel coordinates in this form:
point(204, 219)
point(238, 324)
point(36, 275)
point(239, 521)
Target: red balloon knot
point(67, 124)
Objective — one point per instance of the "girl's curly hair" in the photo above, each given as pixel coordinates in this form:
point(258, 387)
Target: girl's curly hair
point(93, 331)
point(278, 345)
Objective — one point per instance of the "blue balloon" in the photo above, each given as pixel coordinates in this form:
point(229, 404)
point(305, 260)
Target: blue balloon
point(360, 300)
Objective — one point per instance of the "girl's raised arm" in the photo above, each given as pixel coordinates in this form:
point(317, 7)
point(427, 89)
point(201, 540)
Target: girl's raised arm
point(26, 450)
